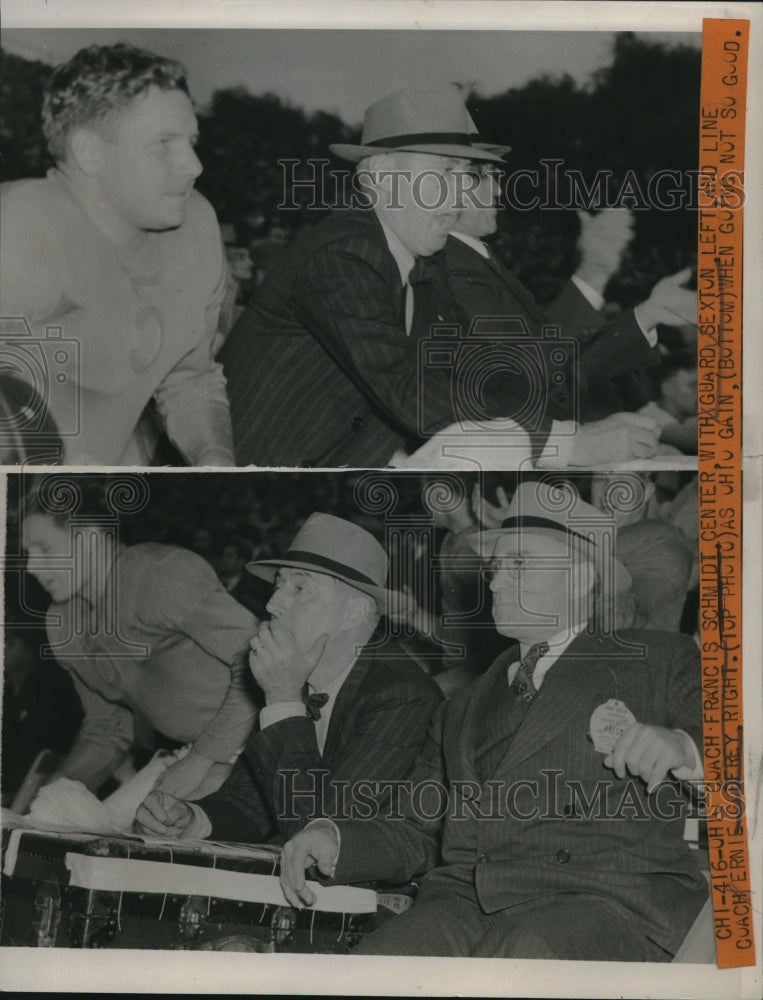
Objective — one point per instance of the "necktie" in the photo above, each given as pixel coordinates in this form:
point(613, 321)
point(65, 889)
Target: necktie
point(522, 686)
point(313, 703)
point(423, 270)
point(418, 291)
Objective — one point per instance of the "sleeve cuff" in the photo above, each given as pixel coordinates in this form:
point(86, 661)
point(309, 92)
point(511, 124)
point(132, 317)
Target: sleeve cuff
point(558, 448)
point(650, 334)
point(271, 714)
point(594, 298)
point(200, 827)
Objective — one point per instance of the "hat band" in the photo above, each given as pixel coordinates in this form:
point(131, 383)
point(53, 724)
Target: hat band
point(529, 521)
point(330, 566)
point(411, 138)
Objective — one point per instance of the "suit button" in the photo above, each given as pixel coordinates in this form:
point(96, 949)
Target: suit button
point(482, 859)
point(563, 856)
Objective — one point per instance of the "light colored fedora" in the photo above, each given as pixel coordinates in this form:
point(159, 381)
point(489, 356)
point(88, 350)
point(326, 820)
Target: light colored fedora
point(558, 512)
point(419, 120)
point(335, 547)
point(499, 151)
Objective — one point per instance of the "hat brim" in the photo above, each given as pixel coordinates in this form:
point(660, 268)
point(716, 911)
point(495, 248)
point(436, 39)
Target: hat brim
point(499, 151)
point(266, 569)
point(474, 152)
point(484, 541)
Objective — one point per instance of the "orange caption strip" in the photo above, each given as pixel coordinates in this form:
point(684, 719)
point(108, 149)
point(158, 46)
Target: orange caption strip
point(719, 352)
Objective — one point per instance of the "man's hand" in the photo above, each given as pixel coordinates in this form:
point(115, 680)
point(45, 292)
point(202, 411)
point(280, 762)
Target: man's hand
point(603, 238)
point(277, 664)
point(620, 437)
point(656, 412)
point(317, 844)
point(489, 515)
point(649, 752)
point(669, 303)
point(183, 777)
point(164, 815)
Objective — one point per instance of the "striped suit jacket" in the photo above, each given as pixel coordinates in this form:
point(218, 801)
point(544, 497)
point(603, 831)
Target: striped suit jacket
point(320, 371)
point(539, 814)
point(483, 287)
point(377, 727)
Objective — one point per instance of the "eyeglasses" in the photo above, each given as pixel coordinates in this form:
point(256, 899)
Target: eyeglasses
point(513, 566)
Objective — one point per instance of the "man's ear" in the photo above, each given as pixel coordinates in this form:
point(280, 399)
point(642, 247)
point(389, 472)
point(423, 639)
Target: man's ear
point(86, 150)
point(357, 610)
point(370, 167)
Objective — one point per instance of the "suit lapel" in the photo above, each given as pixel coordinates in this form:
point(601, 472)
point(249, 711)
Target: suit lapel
point(486, 717)
point(344, 700)
point(517, 289)
point(564, 697)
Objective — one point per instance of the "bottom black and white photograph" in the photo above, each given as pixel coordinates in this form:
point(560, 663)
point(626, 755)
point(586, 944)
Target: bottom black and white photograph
point(355, 713)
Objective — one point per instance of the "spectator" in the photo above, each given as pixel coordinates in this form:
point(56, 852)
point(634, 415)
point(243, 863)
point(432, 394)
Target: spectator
point(145, 631)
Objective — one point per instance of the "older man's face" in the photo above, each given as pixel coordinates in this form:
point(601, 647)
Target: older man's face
point(309, 605)
point(539, 585)
point(479, 216)
point(419, 199)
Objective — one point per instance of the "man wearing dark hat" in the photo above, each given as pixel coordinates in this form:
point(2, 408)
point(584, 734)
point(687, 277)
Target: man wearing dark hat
point(324, 367)
point(483, 287)
point(341, 709)
point(544, 808)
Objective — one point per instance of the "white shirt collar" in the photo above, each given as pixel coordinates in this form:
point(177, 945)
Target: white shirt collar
point(557, 645)
point(403, 257)
point(474, 243)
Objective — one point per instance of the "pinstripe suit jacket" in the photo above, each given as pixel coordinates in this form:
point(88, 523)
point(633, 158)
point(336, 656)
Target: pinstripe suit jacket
point(320, 371)
point(483, 287)
point(377, 726)
point(539, 814)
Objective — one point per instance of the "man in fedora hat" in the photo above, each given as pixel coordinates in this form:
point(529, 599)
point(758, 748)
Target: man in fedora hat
point(341, 709)
point(544, 808)
point(483, 286)
point(324, 367)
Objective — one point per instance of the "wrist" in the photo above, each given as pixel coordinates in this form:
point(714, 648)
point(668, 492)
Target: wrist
point(595, 275)
point(283, 697)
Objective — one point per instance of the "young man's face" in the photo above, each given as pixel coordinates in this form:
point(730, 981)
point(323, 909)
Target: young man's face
point(308, 605)
point(419, 200)
point(539, 586)
point(479, 216)
point(147, 164)
point(50, 561)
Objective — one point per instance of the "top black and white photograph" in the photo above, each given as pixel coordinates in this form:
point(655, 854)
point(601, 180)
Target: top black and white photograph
point(349, 248)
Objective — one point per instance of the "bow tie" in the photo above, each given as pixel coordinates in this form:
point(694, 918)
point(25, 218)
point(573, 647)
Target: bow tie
point(313, 703)
point(422, 271)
